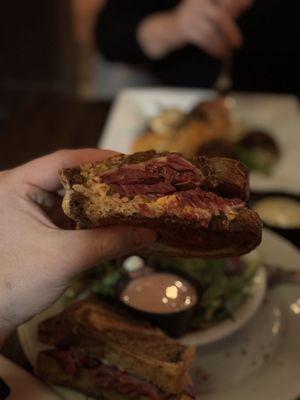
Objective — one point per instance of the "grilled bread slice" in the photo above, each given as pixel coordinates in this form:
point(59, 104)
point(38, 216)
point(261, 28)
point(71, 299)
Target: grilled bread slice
point(111, 335)
point(197, 205)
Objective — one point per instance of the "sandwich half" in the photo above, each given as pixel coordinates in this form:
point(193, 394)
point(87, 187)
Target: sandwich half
point(197, 205)
point(106, 354)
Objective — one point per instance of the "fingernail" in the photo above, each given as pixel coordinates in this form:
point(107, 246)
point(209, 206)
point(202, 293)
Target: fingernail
point(144, 236)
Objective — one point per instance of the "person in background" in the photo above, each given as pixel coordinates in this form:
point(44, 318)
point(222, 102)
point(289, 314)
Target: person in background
point(186, 42)
point(39, 252)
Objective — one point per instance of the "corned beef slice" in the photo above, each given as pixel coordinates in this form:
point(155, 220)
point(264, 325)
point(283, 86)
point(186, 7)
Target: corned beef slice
point(73, 359)
point(164, 175)
point(167, 175)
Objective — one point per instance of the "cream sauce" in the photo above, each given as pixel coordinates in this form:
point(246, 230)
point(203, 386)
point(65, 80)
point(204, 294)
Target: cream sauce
point(159, 293)
point(279, 212)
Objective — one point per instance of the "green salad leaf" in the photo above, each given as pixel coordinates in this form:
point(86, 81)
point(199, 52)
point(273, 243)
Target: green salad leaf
point(255, 160)
point(223, 285)
point(107, 286)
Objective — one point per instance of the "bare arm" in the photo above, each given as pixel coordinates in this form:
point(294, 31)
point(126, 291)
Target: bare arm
point(209, 25)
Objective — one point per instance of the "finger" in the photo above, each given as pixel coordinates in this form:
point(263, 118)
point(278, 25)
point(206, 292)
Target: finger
point(211, 41)
point(235, 7)
point(245, 4)
point(82, 249)
point(43, 172)
point(225, 25)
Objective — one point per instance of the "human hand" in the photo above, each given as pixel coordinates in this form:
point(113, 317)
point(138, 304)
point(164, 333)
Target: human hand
point(210, 24)
point(38, 255)
point(235, 8)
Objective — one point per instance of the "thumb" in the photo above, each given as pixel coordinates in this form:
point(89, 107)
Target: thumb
point(85, 248)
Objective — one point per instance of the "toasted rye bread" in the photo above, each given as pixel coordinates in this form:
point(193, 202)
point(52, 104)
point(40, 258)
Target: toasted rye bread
point(135, 347)
point(51, 371)
point(89, 202)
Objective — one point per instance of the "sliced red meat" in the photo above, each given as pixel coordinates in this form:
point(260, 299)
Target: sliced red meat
point(130, 384)
point(72, 359)
point(180, 164)
point(112, 378)
point(196, 205)
point(164, 175)
point(207, 200)
point(204, 205)
point(65, 358)
point(130, 175)
point(104, 376)
point(162, 188)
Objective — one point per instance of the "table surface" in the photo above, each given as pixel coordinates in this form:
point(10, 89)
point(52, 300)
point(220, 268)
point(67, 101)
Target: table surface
point(35, 124)
point(39, 123)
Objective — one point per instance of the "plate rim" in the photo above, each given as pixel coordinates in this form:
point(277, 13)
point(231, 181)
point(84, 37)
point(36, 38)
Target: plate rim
point(225, 328)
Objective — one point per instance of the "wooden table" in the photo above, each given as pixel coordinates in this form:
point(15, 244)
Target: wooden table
point(35, 124)
point(40, 123)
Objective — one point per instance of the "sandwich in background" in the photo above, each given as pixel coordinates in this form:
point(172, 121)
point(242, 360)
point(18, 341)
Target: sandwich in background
point(211, 128)
point(102, 352)
point(174, 130)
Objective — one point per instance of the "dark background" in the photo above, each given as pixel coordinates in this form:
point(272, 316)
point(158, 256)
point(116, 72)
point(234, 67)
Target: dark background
point(37, 49)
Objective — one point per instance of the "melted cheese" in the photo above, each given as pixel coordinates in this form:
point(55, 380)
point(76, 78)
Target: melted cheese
point(103, 205)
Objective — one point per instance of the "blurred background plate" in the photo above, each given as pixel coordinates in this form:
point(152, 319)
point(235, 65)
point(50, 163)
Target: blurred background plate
point(278, 114)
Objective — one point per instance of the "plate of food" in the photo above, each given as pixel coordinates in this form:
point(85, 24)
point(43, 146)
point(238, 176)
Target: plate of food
point(79, 345)
point(260, 130)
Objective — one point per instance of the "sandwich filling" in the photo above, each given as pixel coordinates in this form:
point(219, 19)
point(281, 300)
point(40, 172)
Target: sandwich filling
point(73, 359)
point(163, 186)
point(156, 177)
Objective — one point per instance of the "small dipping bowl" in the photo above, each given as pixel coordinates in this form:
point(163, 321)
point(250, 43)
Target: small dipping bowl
point(164, 299)
point(279, 212)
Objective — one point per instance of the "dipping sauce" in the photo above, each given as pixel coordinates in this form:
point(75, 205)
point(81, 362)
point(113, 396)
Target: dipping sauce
point(159, 293)
point(281, 212)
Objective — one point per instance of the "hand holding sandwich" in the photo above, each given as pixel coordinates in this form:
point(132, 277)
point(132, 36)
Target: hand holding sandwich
point(39, 252)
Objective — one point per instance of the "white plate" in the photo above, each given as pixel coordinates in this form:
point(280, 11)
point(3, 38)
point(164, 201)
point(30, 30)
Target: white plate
point(260, 361)
point(278, 114)
point(272, 332)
